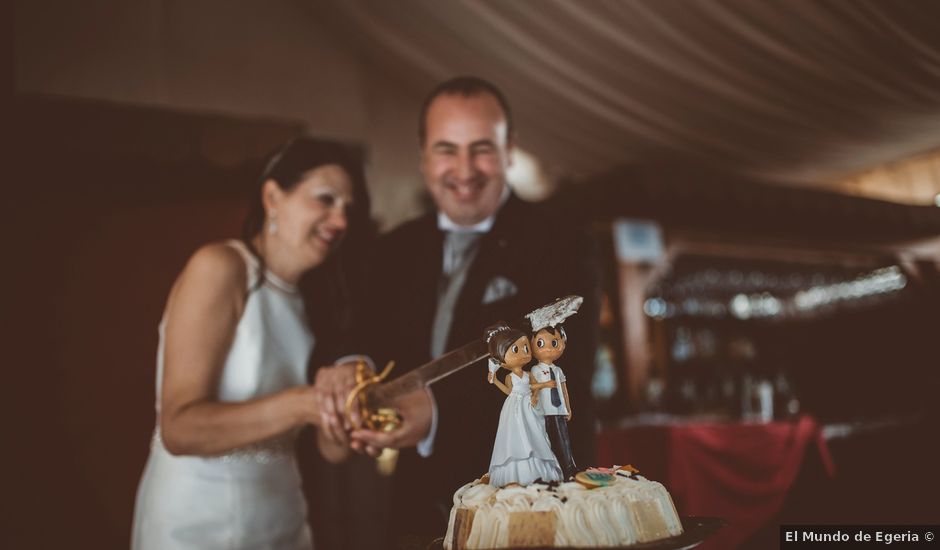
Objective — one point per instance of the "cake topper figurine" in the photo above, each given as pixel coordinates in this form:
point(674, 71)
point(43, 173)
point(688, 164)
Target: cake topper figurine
point(371, 403)
point(548, 344)
point(522, 452)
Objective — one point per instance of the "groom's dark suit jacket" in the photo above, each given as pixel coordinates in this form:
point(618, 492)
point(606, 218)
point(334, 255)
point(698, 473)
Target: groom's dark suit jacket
point(532, 250)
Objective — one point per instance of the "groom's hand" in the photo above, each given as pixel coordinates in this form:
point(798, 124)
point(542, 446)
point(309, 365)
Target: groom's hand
point(415, 409)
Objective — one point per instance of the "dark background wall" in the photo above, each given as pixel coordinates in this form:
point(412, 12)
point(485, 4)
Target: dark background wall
point(102, 220)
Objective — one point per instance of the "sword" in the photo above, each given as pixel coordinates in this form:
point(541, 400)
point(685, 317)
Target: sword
point(374, 399)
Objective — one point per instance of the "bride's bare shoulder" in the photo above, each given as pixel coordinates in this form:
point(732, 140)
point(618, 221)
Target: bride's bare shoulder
point(213, 268)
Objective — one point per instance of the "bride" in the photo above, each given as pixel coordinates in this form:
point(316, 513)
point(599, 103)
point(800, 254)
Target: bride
point(232, 367)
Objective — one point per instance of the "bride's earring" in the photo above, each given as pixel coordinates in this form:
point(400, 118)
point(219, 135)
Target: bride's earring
point(272, 224)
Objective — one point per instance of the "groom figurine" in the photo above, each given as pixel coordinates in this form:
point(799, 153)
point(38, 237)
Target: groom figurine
point(548, 344)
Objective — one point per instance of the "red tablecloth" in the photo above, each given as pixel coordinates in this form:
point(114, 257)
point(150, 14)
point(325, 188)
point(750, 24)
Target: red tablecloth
point(739, 472)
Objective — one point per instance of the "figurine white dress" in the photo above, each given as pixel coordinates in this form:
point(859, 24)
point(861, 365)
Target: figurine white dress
point(522, 452)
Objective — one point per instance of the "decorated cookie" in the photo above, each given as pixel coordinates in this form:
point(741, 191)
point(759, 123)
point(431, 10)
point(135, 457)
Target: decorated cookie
point(594, 478)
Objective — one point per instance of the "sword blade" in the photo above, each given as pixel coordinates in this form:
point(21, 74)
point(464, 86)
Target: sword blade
point(452, 361)
point(427, 374)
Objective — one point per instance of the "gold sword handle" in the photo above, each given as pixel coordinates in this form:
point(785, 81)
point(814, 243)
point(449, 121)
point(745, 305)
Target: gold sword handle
point(382, 419)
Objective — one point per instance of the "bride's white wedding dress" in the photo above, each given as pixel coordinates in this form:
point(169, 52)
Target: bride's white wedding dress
point(522, 452)
point(251, 497)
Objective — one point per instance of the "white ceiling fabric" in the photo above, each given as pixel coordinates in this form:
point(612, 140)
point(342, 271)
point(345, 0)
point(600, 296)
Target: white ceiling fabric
point(799, 91)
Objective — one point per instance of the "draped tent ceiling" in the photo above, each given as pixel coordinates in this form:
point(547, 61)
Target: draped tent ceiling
point(802, 91)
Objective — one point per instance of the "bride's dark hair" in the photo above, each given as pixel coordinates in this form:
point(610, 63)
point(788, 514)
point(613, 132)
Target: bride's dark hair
point(328, 286)
point(499, 338)
point(289, 165)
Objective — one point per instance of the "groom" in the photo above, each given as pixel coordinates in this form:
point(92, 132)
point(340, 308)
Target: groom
point(443, 277)
point(548, 344)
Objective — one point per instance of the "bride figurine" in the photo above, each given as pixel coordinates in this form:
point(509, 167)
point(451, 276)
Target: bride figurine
point(522, 452)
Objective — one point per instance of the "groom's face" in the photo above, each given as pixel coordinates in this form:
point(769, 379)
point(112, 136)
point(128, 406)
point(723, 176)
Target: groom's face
point(465, 155)
point(547, 346)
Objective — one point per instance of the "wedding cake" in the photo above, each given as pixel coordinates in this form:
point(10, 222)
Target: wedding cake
point(603, 507)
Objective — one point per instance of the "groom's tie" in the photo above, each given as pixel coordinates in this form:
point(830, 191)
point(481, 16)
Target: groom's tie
point(556, 399)
point(460, 248)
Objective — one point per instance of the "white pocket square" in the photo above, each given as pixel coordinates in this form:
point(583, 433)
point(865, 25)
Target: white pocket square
point(499, 288)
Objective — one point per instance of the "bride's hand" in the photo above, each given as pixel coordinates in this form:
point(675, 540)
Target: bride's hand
point(333, 385)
